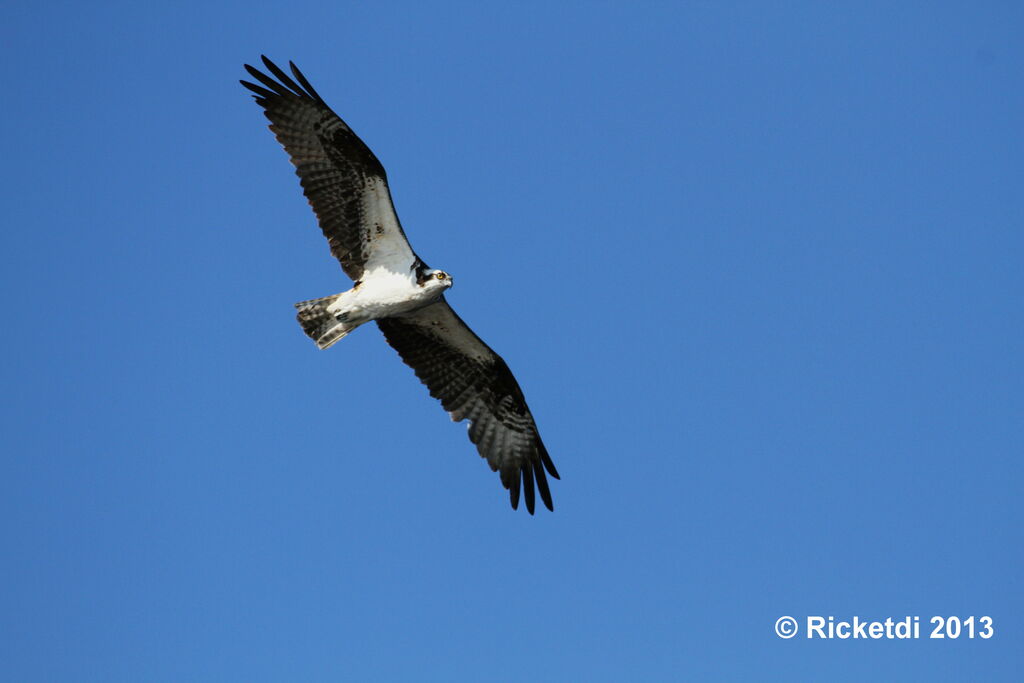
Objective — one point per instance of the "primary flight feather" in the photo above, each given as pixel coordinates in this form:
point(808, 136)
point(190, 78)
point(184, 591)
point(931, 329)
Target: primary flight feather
point(347, 187)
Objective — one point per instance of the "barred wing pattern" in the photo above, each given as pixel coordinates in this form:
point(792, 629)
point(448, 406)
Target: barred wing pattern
point(342, 179)
point(473, 383)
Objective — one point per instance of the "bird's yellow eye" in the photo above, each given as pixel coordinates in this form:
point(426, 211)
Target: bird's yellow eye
point(439, 276)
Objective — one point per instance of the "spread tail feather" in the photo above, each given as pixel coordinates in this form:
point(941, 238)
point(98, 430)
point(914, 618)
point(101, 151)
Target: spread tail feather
point(320, 325)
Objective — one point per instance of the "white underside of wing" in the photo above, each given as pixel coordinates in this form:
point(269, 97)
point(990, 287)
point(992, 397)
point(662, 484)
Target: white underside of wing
point(388, 285)
point(449, 329)
point(387, 248)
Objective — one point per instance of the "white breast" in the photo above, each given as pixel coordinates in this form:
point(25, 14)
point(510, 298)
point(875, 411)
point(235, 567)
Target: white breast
point(383, 292)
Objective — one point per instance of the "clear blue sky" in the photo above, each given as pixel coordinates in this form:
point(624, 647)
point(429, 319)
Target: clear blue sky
point(758, 270)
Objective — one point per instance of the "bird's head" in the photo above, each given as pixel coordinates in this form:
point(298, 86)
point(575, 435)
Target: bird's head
point(438, 279)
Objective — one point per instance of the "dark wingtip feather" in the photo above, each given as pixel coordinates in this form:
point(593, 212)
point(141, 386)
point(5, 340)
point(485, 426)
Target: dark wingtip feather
point(305, 83)
point(513, 492)
point(548, 465)
point(269, 82)
point(283, 77)
point(528, 486)
point(260, 93)
point(545, 492)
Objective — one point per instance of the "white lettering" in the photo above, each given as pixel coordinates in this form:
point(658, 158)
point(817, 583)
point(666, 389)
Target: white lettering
point(858, 628)
point(816, 625)
point(905, 628)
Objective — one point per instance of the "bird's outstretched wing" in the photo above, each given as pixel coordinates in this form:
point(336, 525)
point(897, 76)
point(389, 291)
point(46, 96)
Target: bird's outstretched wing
point(473, 383)
point(343, 180)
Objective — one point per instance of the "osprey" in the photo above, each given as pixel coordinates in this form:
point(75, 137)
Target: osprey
point(348, 190)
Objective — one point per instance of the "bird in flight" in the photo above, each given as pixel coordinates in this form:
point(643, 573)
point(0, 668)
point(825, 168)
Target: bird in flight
point(348, 190)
